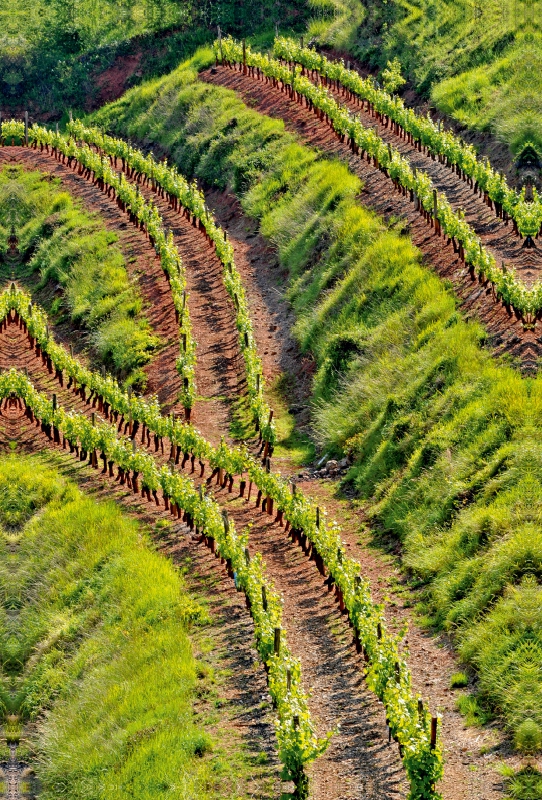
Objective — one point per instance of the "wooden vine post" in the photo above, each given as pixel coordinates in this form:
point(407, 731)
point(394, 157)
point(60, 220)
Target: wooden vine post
point(434, 722)
point(220, 45)
point(130, 410)
point(266, 449)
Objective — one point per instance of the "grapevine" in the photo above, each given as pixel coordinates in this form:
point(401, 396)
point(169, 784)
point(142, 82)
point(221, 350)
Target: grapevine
point(366, 142)
point(388, 673)
point(181, 193)
point(451, 149)
point(148, 218)
point(297, 741)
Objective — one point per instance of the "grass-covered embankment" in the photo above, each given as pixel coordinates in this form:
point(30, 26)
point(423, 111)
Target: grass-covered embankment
point(479, 63)
point(96, 652)
point(445, 439)
point(72, 250)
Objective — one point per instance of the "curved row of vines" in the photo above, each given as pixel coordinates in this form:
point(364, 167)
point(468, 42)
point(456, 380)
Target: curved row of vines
point(423, 132)
point(184, 198)
point(415, 183)
point(298, 744)
point(388, 674)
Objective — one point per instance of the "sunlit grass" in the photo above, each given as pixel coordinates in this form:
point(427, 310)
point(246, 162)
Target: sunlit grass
point(68, 249)
point(477, 62)
point(444, 438)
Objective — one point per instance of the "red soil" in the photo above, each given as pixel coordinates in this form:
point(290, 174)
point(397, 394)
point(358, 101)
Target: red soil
point(359, 760)
point(219, 369)
point(113, 82)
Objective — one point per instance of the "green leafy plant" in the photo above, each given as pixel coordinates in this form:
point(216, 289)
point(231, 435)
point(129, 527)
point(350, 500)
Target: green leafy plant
point(392, 77)
point(184, 195)
point(297, 741)
point(423, 130)
point(388, 674)
point(147, 216)
point(459, 680)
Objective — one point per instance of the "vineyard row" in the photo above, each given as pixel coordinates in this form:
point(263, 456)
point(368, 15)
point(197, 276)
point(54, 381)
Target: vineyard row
point(388, 674)
point(298, 744)
point(422, 132)
point(416, 184)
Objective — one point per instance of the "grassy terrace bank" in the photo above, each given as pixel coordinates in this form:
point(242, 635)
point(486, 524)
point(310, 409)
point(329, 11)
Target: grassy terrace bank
point(445, 439)
point(478, 63)
point(74, 263)
point(97, 661)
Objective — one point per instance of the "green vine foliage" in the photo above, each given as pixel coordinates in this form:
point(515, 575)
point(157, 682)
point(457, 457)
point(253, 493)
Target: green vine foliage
point(148, 217)
point(297, 742)
point(365, 140)
point(101, 162)
point(188, 196)
point(388, 674)
point(528, 216)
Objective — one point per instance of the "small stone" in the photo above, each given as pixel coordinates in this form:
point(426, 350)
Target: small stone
point(332, 466)
point(343, 463)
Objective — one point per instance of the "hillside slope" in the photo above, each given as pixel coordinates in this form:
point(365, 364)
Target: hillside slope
point(479, 63)
point(444, 438)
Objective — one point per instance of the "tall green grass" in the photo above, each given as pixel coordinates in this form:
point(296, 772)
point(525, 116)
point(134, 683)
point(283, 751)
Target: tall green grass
point(96, 652)
point(479, 63)
point(445, 439)
point(71, 251)
point(335, 23)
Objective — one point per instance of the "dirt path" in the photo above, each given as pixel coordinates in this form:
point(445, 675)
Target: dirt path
point(496, 235)
point(13, 775)
point(505, 330)
point(265, 284)
point(220, 370)
point(226, 644)
point(359, 762)
point(359, 757)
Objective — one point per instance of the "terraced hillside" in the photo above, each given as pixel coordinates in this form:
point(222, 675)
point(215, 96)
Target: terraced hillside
point(478, 62)
point(269, 414)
